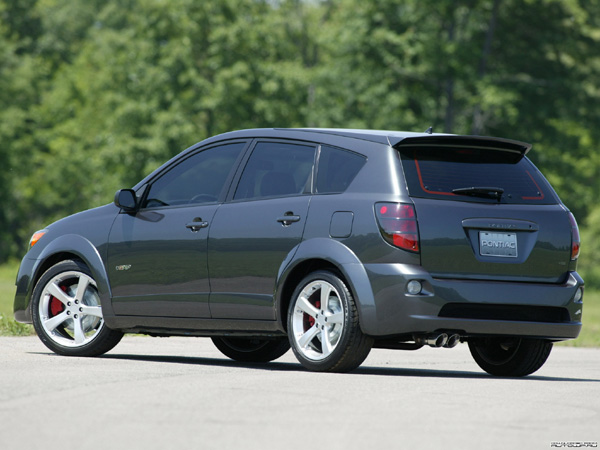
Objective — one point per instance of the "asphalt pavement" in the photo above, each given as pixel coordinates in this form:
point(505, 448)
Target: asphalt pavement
point(181, 393)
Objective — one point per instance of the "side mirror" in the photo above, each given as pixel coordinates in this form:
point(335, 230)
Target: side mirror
point(126, 200)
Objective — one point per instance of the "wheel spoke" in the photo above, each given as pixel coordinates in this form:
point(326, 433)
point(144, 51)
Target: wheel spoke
point(308, 336)
point(305, 306)
point(55, 291)
point(336, 318)
point(82, 285)
point(325, 293)
point(55, 321)
point(325, 343)
point(67, 314)
point(95, 311)
point(316, 332)
point(78, 331)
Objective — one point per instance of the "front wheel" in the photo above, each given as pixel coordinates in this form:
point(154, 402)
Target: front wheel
point(67, 315)
point(323, 325)
point(510, 357)
point(251, 349)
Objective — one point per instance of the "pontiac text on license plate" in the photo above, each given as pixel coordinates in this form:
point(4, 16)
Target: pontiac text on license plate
point(498, 244)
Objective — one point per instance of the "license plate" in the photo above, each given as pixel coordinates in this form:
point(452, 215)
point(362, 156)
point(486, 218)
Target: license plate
point(503, 245)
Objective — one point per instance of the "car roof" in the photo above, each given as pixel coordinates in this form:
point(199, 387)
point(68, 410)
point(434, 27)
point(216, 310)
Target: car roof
point(386, 137)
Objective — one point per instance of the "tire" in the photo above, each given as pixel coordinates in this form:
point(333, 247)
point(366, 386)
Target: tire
point(323, 326)
point(251, 349)
point(66, 311)
point(510, 357)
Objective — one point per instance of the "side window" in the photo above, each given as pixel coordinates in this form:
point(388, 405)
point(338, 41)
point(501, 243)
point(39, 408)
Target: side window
point(276, 169)
point(336, 169)
point(197, 179)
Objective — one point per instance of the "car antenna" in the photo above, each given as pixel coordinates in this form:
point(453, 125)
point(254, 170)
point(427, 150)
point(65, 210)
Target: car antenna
point(429, 130)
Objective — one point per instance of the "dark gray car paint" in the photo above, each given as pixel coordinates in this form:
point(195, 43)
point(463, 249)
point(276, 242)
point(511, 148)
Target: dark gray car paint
point(376, 272)
point(246, 247)
point(84, 236)
point(157, 265)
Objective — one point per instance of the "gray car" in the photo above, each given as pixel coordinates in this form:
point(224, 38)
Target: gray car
point(331, 241)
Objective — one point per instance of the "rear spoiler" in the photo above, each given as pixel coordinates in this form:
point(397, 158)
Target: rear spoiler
point(491, 143)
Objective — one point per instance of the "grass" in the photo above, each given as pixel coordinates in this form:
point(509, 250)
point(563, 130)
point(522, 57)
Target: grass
point(590, 332)
point(589, 337)
point(8, 325)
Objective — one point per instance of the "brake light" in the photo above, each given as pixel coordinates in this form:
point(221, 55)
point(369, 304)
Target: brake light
point(575, 239)
point(398, 225)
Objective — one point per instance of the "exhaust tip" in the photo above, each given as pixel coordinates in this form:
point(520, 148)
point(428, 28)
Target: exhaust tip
point(452, 341)
point(440, 340)
point(433, 340)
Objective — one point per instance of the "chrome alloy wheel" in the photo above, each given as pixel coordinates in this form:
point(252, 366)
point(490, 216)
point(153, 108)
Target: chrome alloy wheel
point(318, 320)
point(69, 309)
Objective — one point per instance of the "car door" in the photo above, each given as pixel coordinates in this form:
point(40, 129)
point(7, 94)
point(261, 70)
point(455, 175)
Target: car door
point(157, 257)
point(252, 234)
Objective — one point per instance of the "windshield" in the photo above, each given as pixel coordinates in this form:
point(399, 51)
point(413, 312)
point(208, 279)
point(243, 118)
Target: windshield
point(476, 175)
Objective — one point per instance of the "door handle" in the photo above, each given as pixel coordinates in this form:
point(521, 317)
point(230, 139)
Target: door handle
point(197, 224)
point(288, 218)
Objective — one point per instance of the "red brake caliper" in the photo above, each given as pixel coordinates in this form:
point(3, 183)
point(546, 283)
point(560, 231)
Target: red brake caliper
point(56, 306)
point(311, 320)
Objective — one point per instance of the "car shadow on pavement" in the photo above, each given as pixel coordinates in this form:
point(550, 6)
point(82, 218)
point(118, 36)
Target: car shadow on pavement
point(437, 373)
point(363, 370)
point(217, 362)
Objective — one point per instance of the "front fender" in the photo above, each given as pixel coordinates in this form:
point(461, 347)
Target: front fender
point(63, 247)
point(337, 254)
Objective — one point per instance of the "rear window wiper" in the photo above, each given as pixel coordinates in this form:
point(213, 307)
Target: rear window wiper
point(480, 191)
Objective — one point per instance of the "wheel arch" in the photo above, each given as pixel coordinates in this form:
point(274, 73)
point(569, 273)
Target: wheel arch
point(324, 254)
point(69, 247)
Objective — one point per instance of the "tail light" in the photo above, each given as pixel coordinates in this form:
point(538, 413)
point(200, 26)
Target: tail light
point(575, 239)
point(398, 225)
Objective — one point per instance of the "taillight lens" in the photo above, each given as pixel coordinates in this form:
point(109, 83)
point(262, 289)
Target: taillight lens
point(575, 239)
point(398, 225)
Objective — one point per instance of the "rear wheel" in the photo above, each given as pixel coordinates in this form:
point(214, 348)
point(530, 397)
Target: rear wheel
point(66, 311)
point(251, 349)
point(510, 357)
point(323, 325)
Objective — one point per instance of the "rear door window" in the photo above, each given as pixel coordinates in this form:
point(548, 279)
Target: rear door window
point(472, 174)
point(336, 169)
point(277, 169)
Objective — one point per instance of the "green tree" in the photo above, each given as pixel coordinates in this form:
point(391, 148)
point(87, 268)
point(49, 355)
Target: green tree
point(148, 80)
point(20, 75)
point(96, 93)
point(549, 57)
point(589, 262)
point(525, 70)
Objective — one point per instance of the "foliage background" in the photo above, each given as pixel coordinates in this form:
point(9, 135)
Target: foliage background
point(96, 93)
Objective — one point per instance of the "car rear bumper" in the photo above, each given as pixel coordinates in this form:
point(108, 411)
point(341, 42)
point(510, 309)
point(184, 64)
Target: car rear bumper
point(469, 307)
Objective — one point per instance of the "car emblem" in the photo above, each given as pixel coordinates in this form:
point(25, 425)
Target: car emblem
point(123, 267)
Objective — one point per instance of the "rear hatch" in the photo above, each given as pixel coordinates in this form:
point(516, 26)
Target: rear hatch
point(484, 211)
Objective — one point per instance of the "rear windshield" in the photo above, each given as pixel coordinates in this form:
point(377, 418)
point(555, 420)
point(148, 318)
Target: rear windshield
point(474, 175)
